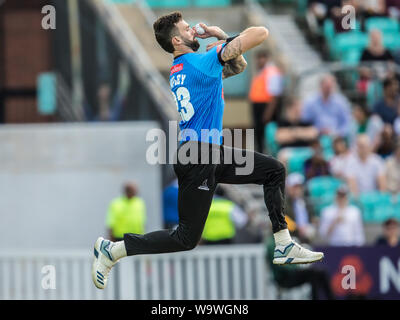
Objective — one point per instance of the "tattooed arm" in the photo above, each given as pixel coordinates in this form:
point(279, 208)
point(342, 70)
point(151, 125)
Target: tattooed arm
point(231, 67)
point(232, 52)
point(234, 66)
point(248, 39)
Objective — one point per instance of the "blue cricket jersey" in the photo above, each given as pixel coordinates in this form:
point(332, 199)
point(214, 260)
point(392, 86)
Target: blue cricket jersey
point(196, 84)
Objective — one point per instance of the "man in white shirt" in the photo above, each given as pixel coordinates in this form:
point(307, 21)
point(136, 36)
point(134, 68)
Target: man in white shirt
point(339, 162)
point(365, 170)
point(341, 223)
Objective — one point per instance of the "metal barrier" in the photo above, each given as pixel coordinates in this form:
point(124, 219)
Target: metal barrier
point(27, 275)
point(217, 272)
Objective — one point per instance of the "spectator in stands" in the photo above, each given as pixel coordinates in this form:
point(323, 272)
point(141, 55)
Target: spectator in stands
point(292, 130)
point(393, 170)
point(126, 214)
point(319, 10)
point(341, 223)
point(365, 171)
point(391, 234)
point(223, 219)
point(393, 8)
point(328, 110)
point(340, 161)
point(298, 208)
point(361, 117)
point(376, 51)
point(387, 107)
point(386, 142)
point(265, 95)
point(316, 165)
point(365, 122)
point(170, 205)
point(375, 127)
point(372, 8)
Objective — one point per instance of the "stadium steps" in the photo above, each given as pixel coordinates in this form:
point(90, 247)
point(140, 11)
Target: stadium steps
point(136, 20)
point(287, 39)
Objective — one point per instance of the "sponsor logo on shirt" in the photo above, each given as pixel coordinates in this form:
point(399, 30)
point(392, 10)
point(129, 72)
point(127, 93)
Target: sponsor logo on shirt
point(176, 68)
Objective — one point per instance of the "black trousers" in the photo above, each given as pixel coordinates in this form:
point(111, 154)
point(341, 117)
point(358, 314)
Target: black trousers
point(197, 183)
point(259, 125)
point(258, 121)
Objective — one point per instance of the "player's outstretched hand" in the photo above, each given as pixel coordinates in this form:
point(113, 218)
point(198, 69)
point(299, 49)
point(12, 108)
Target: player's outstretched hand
point(212, 31)
point(212, 45)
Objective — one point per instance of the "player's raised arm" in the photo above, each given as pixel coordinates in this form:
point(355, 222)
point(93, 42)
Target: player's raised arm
point(246, 40)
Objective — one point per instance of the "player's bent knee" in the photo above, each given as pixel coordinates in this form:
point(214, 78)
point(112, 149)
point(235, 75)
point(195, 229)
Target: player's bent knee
point(189, 245)
point(277, 166)
point(275, 173)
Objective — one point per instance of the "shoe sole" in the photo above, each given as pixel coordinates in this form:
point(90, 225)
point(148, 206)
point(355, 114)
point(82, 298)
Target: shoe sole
point(283, 261)
point(96, 248)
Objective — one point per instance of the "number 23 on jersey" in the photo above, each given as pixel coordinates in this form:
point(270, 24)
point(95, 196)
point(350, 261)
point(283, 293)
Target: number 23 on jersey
point(182, 100)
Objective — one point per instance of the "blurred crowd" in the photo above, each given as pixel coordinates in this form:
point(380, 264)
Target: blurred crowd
point(320, 10)
point(338, 156)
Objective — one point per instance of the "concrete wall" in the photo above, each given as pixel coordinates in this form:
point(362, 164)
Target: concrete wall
point(56, 181)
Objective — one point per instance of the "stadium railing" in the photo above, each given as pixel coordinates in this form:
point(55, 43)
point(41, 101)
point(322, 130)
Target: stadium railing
point(217, 272)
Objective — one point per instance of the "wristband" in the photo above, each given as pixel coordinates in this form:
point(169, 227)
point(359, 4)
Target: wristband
point(231, 38)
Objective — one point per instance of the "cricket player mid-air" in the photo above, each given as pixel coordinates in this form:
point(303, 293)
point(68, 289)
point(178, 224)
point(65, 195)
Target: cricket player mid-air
point(196, 83)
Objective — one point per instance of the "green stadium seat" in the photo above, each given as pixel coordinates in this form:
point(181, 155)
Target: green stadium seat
point(211, 3)
point(322, 186)
point(351, 57)
point(322, 192)
point(302, 6)
point(391, 40)
point(383, 24)
point(320, 203)
point(328, 30)
point(327, 146)
point(377, 206)
point(352, 40)
point(270, 141)
point(169, 3)
point(297, 158)
point(397, 207)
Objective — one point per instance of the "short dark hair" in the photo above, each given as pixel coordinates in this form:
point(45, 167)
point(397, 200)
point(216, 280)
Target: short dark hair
point(388, 82)
point(339, 139)
point(390, 221)
point(164, 29)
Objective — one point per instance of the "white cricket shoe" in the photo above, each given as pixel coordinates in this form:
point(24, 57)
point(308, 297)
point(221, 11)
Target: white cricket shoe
point(102, 263)
point(293, 253)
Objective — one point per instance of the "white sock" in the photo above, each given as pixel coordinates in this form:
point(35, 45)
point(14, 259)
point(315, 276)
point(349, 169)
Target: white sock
point(282, 237)
point(118, 250)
